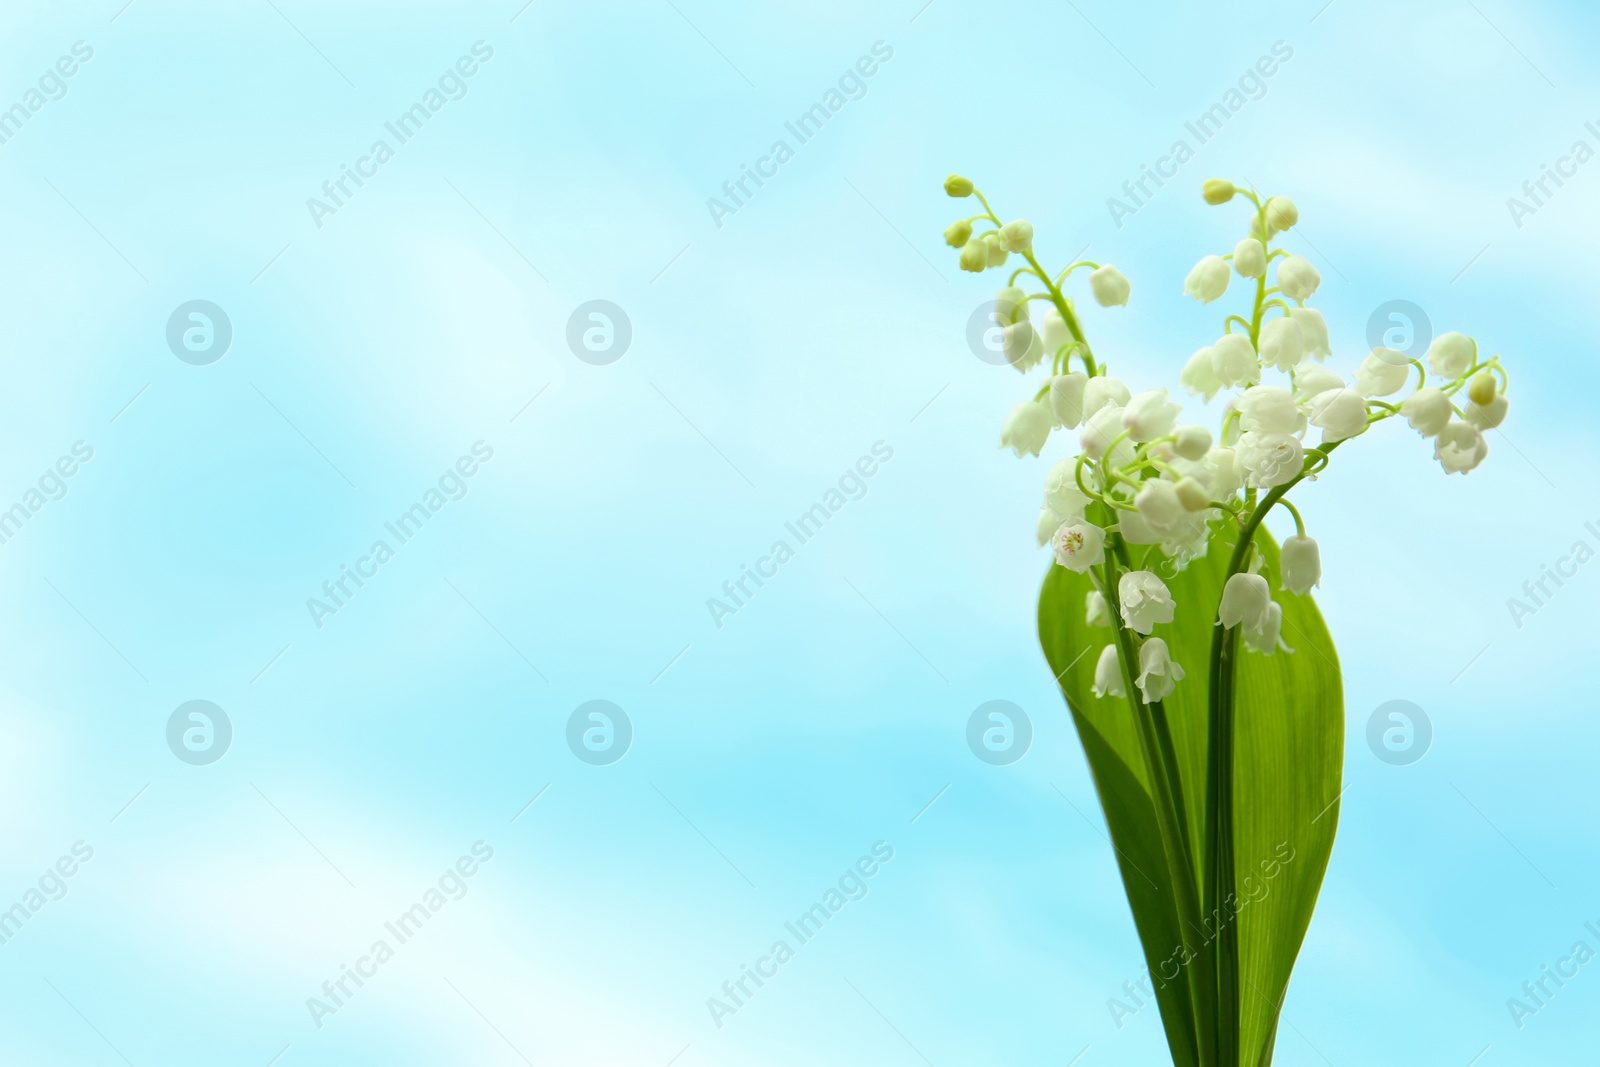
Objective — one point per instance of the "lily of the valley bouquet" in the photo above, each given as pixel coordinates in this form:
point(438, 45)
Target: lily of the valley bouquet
point(1203, 683)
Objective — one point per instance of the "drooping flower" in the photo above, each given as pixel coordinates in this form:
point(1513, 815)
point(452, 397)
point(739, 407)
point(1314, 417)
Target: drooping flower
point(1026, 428)
point(1016, 235)
point(1192, 442)
point(1299, 565)
point(1096, 611)
point(1109, 286)
point(1280, 344)
point(1249, 258)
point(1460, 448)
point(1427, 410)
point(1158, 504)
point(1192, 493)
point(1066, 398)
point(1222, 465)
point(1208, 279)
point(1150, 415)
point(1022, 345)
point(1099, 430)
point(1281, 213)
point(1108, 674)
point(1487, 416)
point(1341, 413)
point(974, 256)
point(1383, 372)
point(1102, 390)
point(1233, 360)
point(1297, 278)
point(997, 254)
point(1310, 381)
point(958, 233)
point(1049, 522)
point(1244, 601)
point(1313, 332)
point(1158, 675)
point(1265, 636)
point(1055, 331)
point(1198, 376)
point(1270, 458)
point(1079, 546)
point(1270, 409)
point(1011, 305)
point(1145, 601)
point(1061, 492)
point(1451, 354)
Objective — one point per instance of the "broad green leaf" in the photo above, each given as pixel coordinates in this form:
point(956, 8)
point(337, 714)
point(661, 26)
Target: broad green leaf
point(1288, 764)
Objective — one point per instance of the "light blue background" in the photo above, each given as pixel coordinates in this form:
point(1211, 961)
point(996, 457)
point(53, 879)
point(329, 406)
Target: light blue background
point(767, 356)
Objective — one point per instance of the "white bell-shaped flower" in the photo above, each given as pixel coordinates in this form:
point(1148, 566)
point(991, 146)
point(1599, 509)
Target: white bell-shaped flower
point(1011, 305)
point(1451, 355)
point(1270, 459)
point(1297, 278)
point(1079, 546)
point(1249, 258)
point(1270, 409)
point(1341, 413)
point(1026, 429)
point(1096, 611)
point(1110, 288)
point(1061, 492)
point(1234, 362)
point(1281, 345)
point(1299, 565)
point(1150, 415)
point(1049, 522)
point(1192, 442)
point(1016, 235)
point(1244, 601)
point(1145, 601)
point(1266, 636)
point(1023, 346)
point(1102, 390)
point(1108, 674)
point(1383, 372)
point(1428, 410)
point(1192, 493)
point(1208, 279)
point(1066, 398)
point(1281, 213)
point(1460, 448)
point(1313, 332)
point(1198, 376)
point(1158, 675)
point(1055, 332)
point(1159, 506)
point(1311, 381)
point(1487, 416)
point(1098, 433)
point(1224, 473)
point(997, 254)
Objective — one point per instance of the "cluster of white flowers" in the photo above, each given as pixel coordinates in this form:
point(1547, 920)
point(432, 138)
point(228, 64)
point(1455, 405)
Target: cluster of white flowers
point(1153, 483)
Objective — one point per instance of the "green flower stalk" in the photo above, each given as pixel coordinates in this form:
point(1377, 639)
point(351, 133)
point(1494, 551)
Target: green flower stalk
point(1207, 731)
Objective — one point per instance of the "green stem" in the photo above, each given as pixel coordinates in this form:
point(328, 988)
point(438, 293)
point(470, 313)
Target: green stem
point(1064, 309)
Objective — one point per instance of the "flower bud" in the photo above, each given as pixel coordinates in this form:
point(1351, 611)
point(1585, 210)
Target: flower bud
point(1158, 504)
point(1299, 565)
point(1017, 235)
point(997, 255)
point(1270, 458)
point(1482, 389)
point(958, 233)
point(1451, 354)
point(957, 186)
point(1110, 287)
point(1217, 191)
point(1193, 442)
point(1208, 280)
point(1108, 674)
point(975, 256)
point(1249, 258)
point(1192, 495)
point(1281, 213)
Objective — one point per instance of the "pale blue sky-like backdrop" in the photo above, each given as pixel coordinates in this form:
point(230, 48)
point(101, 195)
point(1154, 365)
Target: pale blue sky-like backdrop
point(411, 335)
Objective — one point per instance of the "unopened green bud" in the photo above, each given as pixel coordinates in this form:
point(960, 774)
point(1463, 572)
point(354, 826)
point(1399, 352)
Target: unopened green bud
point(1482, 390)
point(997, 253)
point(957, 233)
point(1281, 213)
point(1217, 191)
point(975, 256)
point(957, 186)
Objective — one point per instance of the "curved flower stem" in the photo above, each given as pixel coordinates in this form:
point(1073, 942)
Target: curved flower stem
point(1166, 793)
point(1065, 310)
